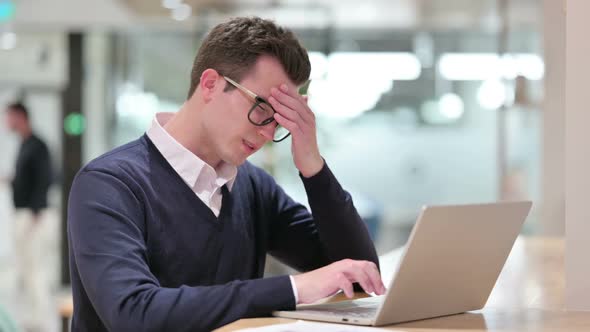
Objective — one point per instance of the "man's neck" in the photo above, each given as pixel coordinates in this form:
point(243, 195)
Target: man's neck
point(184, 128)
point(25, 133)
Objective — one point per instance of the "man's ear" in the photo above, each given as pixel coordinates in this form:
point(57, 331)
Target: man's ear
point(210, 84)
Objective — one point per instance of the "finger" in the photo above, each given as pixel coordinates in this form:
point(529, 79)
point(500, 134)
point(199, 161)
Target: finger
point(371, 287)
point(359, 275)
point(308, 113)
point(285, 98)
point(291, 126)
point(281, 101)
point(377, 280)
point(292, 100)
point(305, 100)
point(367, 275)
point(345, 285)
point(375, 277)
point(285, 111)
point(354, 270)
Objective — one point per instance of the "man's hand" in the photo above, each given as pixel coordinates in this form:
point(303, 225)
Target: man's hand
point(294, 114)
point(328, 280)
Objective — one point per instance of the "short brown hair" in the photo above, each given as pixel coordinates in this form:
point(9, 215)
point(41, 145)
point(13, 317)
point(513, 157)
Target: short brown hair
point(19, 108)
point(233, 47)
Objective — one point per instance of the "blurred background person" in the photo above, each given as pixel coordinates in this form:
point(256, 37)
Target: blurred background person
point(30, 184)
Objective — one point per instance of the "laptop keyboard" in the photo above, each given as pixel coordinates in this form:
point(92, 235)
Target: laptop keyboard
point(362, 308)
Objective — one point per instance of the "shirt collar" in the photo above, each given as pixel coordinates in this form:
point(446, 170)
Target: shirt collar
point(190, 167)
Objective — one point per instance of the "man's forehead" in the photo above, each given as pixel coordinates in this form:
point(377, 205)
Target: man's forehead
point(269, 72)
point(263, 85)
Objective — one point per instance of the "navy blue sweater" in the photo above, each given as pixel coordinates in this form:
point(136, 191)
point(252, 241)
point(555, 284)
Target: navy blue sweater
point(146, 254)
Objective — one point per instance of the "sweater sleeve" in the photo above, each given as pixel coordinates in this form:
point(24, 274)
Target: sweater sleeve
point(107, 243)
point(334, 231)
point(41, 173)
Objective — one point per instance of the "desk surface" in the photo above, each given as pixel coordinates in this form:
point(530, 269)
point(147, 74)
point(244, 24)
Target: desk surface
point(529, 296)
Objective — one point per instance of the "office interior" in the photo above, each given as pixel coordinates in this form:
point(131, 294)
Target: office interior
point(418, 102)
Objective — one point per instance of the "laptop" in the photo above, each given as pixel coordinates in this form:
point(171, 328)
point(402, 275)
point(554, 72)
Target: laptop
point(450, 265)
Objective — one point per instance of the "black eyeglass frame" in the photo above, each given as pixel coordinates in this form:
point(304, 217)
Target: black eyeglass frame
point(257, 102)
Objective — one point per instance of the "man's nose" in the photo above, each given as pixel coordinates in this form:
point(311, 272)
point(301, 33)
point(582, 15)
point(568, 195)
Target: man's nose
point(268, 131)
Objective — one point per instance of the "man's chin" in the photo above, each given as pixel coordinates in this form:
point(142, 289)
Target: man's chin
point(239, 157)
point(236, 160)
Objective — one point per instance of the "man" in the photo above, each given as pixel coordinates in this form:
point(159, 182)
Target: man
point(31, 182)
point(170, 232)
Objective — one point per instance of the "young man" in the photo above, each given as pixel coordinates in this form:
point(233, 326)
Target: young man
point(32, 178)
point(170, 232)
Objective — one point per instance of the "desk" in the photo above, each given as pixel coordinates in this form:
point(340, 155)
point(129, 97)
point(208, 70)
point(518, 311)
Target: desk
point(529, 296)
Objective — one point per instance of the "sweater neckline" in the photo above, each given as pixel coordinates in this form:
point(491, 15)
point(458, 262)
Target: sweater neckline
point(226, 201)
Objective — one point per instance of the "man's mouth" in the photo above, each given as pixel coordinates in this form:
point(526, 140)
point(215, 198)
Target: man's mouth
point(249, 146)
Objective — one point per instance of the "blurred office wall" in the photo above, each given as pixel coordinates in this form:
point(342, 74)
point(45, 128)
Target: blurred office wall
point(407, 93)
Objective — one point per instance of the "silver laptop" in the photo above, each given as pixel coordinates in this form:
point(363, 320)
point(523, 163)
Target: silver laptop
point(450, 265)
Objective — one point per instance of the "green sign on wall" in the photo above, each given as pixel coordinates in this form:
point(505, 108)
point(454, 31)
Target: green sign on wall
point(74, 124)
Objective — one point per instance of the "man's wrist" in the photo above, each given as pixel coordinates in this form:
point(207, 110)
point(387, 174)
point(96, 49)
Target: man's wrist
point(314, 169)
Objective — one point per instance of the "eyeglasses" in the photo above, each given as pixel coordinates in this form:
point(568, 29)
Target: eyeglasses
point(261, 113)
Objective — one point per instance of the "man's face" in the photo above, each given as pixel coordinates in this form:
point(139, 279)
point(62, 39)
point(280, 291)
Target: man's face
point(232, 135)
point(13, 119)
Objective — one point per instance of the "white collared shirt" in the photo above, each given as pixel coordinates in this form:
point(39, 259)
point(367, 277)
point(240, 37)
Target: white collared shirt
point(204, 180)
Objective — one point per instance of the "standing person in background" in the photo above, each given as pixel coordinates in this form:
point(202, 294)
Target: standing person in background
point(32, 177)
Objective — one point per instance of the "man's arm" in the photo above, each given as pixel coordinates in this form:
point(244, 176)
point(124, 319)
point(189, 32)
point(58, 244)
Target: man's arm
point(106, 234)
point(340, 227)
point(333, 244)
point(341, 234)
point(334, 232)
point(42, 178)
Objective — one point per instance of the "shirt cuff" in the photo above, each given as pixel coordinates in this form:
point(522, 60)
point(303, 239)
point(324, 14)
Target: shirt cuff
point(294, 289)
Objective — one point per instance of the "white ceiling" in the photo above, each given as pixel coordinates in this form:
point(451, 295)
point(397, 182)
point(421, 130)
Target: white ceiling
point(406, 14)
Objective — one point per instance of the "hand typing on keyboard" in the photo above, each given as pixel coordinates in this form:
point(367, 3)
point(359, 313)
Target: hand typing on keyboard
point(328, 280)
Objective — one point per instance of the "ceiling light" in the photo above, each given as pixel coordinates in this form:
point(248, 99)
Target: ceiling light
point(182, 12)
point(451, 106)
point(491, 94)
point(8, 40)
point(171, 4)
point(387, 65)
point(485, 66)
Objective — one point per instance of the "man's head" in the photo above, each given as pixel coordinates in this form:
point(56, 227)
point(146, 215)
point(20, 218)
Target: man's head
point(233, 47)
point(259, 55)
point(17, 117)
